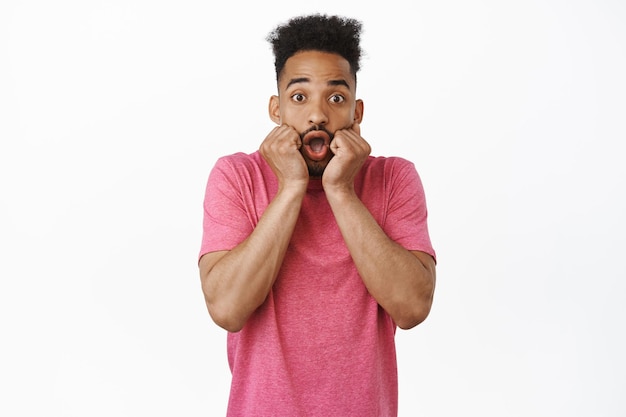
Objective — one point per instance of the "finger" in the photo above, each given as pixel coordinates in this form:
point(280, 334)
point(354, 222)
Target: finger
point(334, 145)
point(295, 136)
point(286, 132)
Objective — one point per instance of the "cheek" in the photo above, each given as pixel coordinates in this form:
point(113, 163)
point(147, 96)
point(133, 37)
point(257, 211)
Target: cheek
point(346, 116)
point(294, 116)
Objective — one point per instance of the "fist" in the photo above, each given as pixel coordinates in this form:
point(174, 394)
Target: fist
point(281, 150)
point(351, 151)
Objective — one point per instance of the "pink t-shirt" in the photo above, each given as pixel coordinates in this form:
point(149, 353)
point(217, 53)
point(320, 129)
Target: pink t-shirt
point(320, 345)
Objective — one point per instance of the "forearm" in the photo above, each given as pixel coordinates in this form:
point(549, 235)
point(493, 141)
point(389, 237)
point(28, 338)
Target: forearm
point(401, 282)
point(239, 281)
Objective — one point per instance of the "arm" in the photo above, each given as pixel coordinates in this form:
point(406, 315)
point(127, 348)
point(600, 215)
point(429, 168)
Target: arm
point(235, 283)
point(401, 281)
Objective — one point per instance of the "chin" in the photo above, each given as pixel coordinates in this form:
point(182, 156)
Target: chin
point(316, 169)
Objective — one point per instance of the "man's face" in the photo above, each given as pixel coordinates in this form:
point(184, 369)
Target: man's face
point(316, 96)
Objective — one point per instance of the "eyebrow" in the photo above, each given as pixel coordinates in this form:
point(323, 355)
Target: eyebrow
point(306, 80)
point(339, 82)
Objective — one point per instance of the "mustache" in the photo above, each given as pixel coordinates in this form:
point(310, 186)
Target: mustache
point(317, 128)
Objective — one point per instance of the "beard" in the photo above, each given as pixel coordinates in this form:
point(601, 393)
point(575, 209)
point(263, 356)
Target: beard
point(316, 168)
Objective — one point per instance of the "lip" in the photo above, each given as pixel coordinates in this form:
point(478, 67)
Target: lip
point(316, 144)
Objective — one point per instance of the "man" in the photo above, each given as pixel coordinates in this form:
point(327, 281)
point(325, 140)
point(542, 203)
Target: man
point(314, 251)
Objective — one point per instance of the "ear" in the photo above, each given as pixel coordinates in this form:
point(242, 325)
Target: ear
point(274, 109)
point(358, 111)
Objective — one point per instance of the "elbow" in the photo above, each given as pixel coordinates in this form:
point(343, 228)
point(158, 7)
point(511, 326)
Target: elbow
point(229, 325)
point(225, 317)
point(416, 308)
point(413, 315)
point(409, 321)
point(222, 312)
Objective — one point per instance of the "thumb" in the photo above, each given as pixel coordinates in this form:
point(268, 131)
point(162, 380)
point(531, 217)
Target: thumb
point(357, 128)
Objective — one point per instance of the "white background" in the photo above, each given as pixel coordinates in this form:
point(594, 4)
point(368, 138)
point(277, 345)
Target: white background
point(112, 113)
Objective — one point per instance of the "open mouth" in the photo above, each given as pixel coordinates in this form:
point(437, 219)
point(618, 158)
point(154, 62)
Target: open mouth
point(316, 144)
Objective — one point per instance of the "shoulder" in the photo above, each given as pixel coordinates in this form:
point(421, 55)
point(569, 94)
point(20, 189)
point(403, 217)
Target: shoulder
point(243, 171)
point(241, 160)
point(388, 167)
point(387, 163)
point(242, 164)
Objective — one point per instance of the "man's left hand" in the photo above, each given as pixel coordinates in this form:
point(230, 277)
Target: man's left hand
point(350, 152)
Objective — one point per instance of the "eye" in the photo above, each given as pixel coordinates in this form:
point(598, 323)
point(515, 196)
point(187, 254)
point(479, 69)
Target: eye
point(298, 97)
point(337, 98)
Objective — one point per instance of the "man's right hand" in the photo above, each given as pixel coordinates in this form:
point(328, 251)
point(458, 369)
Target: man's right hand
point(281, 150)
point(236, 282)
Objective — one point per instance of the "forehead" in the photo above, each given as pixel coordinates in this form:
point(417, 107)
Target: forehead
point(317, 66)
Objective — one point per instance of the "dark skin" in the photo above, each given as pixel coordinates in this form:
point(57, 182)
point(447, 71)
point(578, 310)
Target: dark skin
point(316, 89)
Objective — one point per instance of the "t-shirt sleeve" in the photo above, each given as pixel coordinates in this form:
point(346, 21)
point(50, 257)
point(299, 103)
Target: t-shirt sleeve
point(226, 222)
point(406, 220)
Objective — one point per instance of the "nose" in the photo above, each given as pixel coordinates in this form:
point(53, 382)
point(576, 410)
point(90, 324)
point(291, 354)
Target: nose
point(318, 113)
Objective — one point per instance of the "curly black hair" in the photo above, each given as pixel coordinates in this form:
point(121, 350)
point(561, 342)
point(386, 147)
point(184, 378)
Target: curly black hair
point(317, 32)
